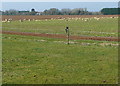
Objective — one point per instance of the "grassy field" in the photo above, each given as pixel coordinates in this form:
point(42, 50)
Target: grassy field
point(106, 27)
point(36, 60)
point(39, 60)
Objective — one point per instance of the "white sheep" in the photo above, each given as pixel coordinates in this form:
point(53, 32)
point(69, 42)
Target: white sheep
point(21, 20)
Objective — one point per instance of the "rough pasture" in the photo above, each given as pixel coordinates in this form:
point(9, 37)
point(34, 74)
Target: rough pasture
point(79, 26)
point(44, 60)
point(37, 60)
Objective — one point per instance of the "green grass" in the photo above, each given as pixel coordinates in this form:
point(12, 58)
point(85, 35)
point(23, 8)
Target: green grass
point(107, 27)
point(37, 60)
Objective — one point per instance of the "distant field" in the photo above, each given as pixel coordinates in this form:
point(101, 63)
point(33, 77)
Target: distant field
point(18, 17)
point(105, 27)
point(40, 60)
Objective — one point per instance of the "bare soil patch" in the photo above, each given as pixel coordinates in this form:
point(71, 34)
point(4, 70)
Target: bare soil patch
point(63, 36)
point(41, 17)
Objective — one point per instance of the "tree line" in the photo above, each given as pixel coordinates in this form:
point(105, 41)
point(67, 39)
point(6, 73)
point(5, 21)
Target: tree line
point(65, 11)
point(76, 11)
point(17, 12)
point(110, 11)
point(52, 11)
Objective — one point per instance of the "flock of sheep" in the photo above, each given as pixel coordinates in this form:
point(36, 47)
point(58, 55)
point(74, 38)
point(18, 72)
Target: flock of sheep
point(59, 18)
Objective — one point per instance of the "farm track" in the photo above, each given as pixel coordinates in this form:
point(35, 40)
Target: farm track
point(62, 36)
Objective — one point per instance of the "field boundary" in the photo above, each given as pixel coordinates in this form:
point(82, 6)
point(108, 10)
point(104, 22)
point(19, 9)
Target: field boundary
point(62, 36)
